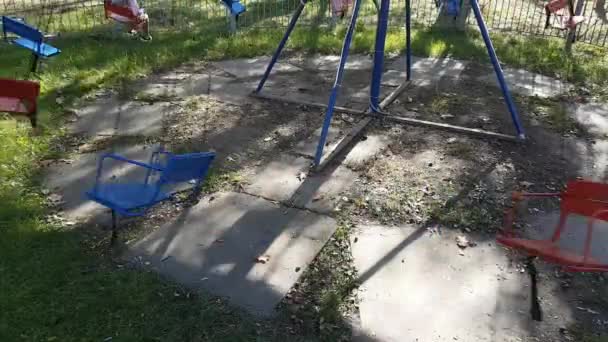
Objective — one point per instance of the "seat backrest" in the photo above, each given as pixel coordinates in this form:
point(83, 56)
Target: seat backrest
point(185, 167)
point(585, 198)
point(556, 5)
point(122, 11)
point(22, 90)
point(10, 25)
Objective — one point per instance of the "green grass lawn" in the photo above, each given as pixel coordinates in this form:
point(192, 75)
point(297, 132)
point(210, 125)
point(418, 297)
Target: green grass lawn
point(56, 285)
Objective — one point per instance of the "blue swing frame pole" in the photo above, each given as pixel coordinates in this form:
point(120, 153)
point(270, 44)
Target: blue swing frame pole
point(337, 83)
point(277, 53)
point(374, 95)
point(408, 40)
point(498, 70)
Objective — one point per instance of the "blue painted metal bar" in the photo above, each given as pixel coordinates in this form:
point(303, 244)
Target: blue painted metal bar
point(498, 70)
point(277, 53)
point(408, 40)
point(338, 82)
point(374, 97)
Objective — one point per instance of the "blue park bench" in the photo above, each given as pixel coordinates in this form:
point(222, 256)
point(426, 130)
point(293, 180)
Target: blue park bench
point(29, 38)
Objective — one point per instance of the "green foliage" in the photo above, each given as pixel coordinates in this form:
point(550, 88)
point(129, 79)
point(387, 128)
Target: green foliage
point(55, 288)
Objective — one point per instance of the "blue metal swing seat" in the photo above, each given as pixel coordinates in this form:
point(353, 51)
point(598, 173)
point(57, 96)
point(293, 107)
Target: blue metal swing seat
point(129, 198)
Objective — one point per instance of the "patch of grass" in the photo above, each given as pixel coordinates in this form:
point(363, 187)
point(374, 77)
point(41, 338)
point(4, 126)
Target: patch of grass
point(53, 291)
point(439, 105)
point(218, 180)
point(324, 297)
point(552, 112)
point(460, 149)
point(480, 210)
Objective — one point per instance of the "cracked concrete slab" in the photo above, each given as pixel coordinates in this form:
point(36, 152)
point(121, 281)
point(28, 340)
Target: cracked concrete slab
point(214, 246)
point(365, 150)
point(308, 147)
point(98, 118)
point(142, 119)
point(527, 83)
point(320, 192)
point(425, 71)
point(592, 116)
point(253, 67)
point(280, 179)
point(330, 63)
point(426, 291)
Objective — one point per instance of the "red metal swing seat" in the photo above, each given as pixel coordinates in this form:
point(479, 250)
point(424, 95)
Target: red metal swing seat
point(565, 19)
point(19, 98)
point(583, 198)
point(122, 11)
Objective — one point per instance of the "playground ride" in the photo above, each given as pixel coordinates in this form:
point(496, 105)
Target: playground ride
point(131, 15)
point(452, 7)
point(134, 198)
point(19, 98)
point(234, 8)
point(28, 37)
point(376, 107)
point(583, 198)
point(562, 20)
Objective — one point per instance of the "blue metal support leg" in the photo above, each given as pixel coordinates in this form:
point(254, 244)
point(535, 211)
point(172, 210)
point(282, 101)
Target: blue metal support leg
point(277, 53)
point(374, 100)
point(338, 82)
point(498, 70)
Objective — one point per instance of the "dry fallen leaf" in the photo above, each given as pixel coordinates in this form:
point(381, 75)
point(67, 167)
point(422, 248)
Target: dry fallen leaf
point(219, 241)
point(262, 259)
point(267, 139)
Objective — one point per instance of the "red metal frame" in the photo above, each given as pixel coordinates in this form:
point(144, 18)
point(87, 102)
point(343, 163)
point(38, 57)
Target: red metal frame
point(584, 198)
point(19, 97)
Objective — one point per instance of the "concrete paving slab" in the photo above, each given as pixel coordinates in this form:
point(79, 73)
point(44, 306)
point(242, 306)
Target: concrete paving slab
point(393, 78)
point(528, 83)
point(366, 150)
point(593, 116)
point(231, 91)
point(98, 118)
point(321, 192)
point(330, 63)
point(142, 119)
point(280, 179)
point(71, 180)
point(308, 147)
point(253, 67)
point(214, 245)
point(600, 156)
point(425, 70)
point(416, 287)
point(196, 84)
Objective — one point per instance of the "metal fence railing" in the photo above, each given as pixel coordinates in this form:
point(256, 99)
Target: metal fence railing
point(521, 16)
